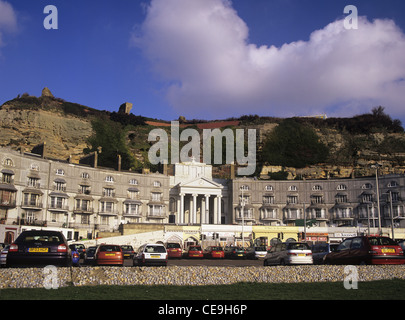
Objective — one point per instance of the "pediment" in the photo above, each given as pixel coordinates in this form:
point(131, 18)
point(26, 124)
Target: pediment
point(201, 183)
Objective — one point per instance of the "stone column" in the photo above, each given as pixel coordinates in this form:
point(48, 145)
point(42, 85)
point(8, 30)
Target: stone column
point(219, 209)
point(194, 215)
point(181, 216)
point(207, 209)
point(216, 210)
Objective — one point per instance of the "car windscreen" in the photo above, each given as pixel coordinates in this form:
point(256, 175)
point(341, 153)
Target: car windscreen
point(381, 241)
point(110, 248)
point(44, 238)
point(173, 245)
point(217, 249)
point(155, 249)
point(298, 246)
point(195, 249)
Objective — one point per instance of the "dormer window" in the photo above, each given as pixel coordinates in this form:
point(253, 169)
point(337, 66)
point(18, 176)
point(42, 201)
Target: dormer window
point(109, 179)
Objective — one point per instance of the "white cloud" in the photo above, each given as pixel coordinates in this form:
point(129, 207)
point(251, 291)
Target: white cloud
point(8, 20)
point(201, 49)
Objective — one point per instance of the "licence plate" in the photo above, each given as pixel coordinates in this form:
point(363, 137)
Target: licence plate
point(388, 250)
point(240, 255)
point(110, 254)
point(37, 249)
point(155, 256)
point(301, 254)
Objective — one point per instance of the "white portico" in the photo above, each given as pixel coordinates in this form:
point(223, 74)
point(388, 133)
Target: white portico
point(198, 199)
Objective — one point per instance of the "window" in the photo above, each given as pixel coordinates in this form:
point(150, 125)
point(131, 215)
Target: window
point(59, 185)
point(392, 184)
point(269, 188)
point(34, 167)
point(107, 206)
point(245, 187)
point(245, 199)
point(108, 192)
point(268, 199)
point(341, 198)
point(315, 199)
point(83, 205)
point(84, 189)
point(292, 199)
point(85, 175)
point(317, 187)
point(157, 184)
point(7, 178)
point(292, 188)
point(367, 186)
point(133, 182)
point(33, 182)
point(109, 179)
point(341, 187)
point(57, 202)
point(8, 162)
point(132, 208)
point(133, 194)
point(156, 196)
point(60, 172)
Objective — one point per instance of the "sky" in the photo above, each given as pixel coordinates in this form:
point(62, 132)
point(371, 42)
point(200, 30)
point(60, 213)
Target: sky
point(208, 59)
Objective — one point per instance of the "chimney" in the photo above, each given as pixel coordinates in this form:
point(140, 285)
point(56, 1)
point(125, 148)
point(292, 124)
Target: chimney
point(119, 162)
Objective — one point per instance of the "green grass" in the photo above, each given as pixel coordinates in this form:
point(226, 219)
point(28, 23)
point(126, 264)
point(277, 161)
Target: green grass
point(376, 290)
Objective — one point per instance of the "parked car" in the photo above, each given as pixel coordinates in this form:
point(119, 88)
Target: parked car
point(90, 255)
point(128, 251)
point(256, 252)
point(80, 248)
point(367, 250)
point(174, 250)
point(75, 258)
point(214, 252)
point(151, 254)
point(3, 256)
point(194, 251)
point(39, 247)
point(109, 254)
point(235, 253)
point(289, 253)
point(401, 243)
point(320, 250)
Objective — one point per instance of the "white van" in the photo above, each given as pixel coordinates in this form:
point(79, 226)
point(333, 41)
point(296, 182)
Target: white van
point(151, 254)
point(289, 253)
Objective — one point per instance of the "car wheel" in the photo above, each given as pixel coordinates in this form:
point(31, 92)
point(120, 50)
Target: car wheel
point(265, 263)
point(282, 262)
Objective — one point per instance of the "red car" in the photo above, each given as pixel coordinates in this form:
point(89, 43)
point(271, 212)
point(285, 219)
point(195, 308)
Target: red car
point(195, 252)
point(109, 254)
point(367, 250)
point(174, 250)
point(215, 252)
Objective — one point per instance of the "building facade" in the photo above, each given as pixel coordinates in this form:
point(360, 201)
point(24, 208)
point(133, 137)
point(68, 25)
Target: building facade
point(35, 191)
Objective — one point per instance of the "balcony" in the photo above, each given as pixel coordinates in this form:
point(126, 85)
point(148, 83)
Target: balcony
point(32, 205)
point(58, 207)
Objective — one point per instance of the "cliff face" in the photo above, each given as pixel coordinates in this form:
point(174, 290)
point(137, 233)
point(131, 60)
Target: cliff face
point(64, 135)
point(354, 144)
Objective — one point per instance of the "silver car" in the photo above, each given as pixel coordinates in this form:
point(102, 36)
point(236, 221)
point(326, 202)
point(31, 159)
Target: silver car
point(289, 253)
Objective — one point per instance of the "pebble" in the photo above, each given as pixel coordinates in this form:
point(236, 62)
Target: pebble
point(191, 276)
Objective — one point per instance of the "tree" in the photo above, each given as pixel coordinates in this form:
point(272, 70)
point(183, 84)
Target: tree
point(293, 144)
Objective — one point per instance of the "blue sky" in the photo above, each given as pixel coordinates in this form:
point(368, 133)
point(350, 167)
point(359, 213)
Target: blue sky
point(208, 59)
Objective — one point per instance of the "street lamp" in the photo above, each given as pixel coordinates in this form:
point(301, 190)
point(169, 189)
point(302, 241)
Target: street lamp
point(376, 166)
point(392, 214)
point(242, 204)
